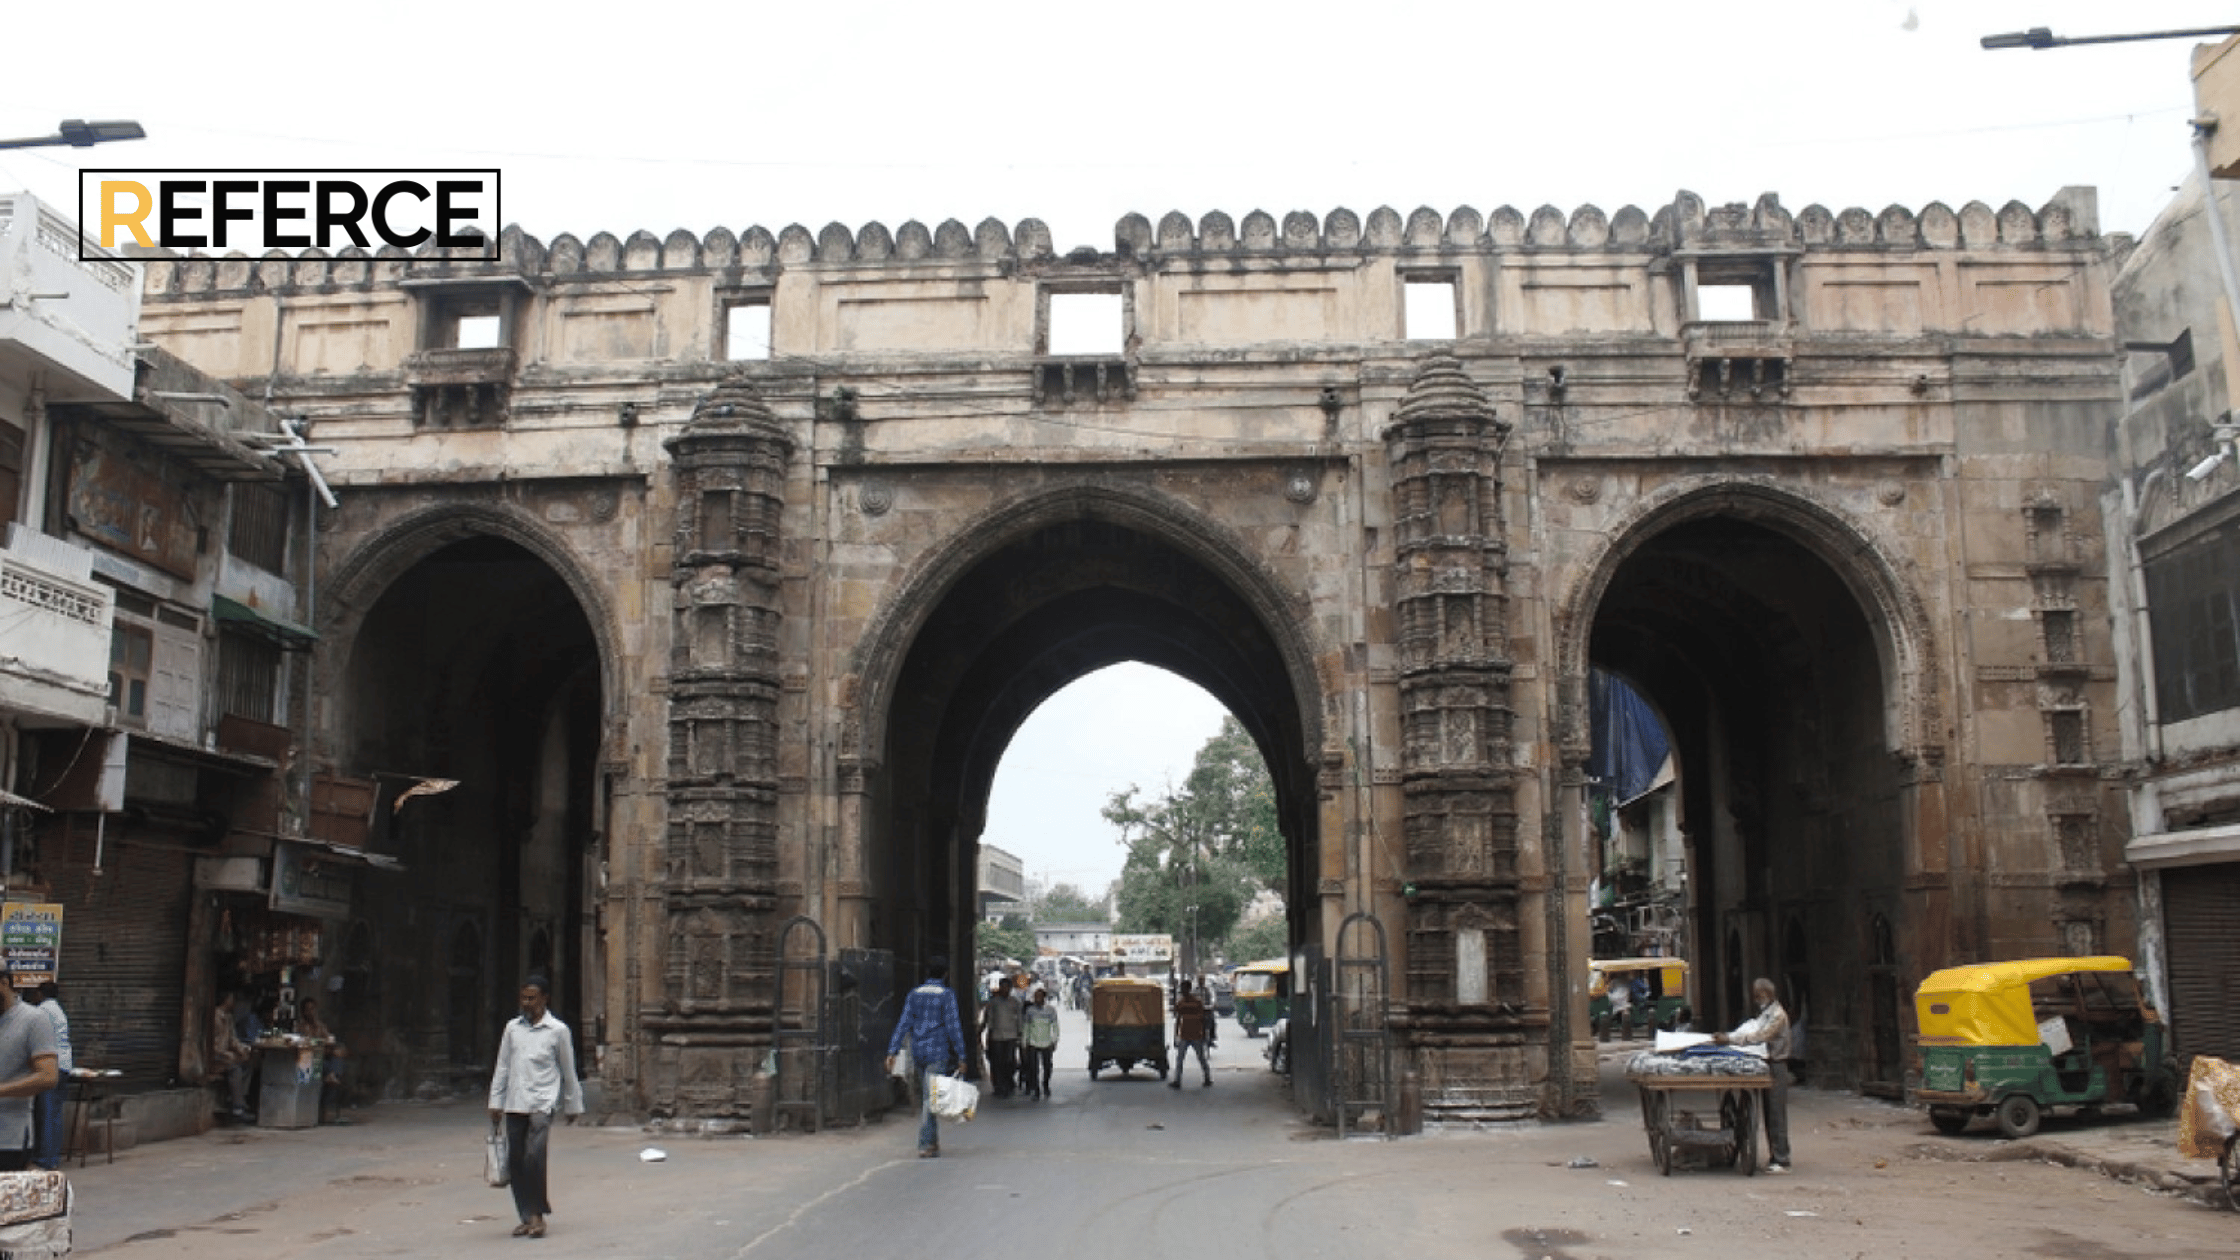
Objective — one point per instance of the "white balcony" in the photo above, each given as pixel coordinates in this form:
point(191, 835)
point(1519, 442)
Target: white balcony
point(74, 320)
point(54, 666)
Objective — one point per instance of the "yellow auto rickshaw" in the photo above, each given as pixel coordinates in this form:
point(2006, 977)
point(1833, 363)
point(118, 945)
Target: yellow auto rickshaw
point(1262, 993)
point(1658, 1008)
point(1127, 1025)
point(2011, 1039)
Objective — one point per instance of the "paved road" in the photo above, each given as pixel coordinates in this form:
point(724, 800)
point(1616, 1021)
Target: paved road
point(1129, 1168)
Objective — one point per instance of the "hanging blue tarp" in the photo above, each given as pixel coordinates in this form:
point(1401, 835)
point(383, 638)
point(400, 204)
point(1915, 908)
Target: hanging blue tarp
point(1629, 740)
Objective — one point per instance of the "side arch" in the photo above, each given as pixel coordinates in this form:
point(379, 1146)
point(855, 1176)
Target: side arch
point(1903, 636)
point(877, 660)
point(385, 555)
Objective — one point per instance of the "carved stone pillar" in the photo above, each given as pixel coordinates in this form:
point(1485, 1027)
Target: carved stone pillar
point(1465, 994)
point(720, 860)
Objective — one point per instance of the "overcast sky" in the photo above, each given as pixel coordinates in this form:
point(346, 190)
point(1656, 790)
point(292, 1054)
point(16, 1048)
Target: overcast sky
point(659, 115)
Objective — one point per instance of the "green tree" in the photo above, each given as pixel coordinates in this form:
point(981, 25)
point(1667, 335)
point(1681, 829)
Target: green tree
point(1011, 938)
point(1197, 855)
point(1068, 903)
point(1261, 938)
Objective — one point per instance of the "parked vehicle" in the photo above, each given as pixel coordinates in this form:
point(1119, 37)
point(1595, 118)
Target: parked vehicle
point(2013, 1039)
point(1667, 983)
point(1127, 1025)
point(1279, 1046)
point(1262, 992)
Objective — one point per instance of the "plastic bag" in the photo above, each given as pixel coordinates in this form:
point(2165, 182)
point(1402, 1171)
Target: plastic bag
point(902, 1065)
point(954, 1099)
point(494, 1158)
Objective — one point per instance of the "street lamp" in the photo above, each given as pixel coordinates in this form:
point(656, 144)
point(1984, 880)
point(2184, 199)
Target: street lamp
point(80, 134)
point(2040, 37)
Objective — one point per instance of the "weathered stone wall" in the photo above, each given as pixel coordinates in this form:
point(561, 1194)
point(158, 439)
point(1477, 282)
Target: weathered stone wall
point(1914, 409)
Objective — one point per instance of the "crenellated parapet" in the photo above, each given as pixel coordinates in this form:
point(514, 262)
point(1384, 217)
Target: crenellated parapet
point(2070, 219)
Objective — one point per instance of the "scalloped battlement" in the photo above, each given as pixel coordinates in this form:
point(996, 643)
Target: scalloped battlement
point(1688, 224)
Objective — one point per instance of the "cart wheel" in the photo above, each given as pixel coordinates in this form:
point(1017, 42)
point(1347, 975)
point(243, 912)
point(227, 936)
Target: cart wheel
point(2229, 1165)
point(1660, 1149)
point(2019, 1115)
point(1950, 1121)
point(1746, 1132)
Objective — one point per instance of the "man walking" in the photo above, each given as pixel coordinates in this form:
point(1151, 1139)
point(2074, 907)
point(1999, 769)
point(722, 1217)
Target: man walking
point(48, 1111)
point(536, 1077)
point(999, 1025)
point(930, 1028)
point(1193, 1030)
point(1769, 1028)
point(27, 1070)
point(1040, 1036)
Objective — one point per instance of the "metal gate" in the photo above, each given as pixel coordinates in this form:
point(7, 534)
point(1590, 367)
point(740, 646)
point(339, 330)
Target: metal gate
point(800, 1025)
point(2201, 918)
point(1359, 1000)
point(864, 1007)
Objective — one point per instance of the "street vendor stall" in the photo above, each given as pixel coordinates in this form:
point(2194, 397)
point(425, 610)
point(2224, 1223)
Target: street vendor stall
point(1701, 1102)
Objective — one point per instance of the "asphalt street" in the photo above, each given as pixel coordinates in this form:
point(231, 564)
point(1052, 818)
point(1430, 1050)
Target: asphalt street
point(1131, 1168)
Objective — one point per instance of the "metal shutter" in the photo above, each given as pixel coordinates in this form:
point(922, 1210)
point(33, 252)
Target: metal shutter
point(2201, 920)
point(123, 969)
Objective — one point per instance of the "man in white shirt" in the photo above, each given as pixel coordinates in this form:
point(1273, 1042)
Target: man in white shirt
point(1769, 1028)
point(536, 1078)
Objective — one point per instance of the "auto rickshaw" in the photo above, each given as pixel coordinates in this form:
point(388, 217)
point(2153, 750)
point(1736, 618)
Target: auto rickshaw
point(2012, 1039)
point(1262, 993)
point(1668, 991)
point(1127, 1025)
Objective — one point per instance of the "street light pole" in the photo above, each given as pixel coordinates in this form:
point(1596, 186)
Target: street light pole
point(80, 134)
point(2038, 37)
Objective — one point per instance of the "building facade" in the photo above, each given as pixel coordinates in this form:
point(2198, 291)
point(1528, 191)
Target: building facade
point(718, 570)
point(151, 653)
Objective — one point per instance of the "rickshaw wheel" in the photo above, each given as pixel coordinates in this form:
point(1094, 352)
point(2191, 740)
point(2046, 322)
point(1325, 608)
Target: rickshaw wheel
point(2019, 1116)
point(1092, 1071)
point(1950, 1121)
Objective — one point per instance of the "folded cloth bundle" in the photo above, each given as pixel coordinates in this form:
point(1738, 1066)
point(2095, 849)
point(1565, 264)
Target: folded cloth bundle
point(34, 1215)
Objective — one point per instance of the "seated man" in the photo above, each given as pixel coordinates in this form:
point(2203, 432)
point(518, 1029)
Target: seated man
point(230, 1056)
point(310, 1025)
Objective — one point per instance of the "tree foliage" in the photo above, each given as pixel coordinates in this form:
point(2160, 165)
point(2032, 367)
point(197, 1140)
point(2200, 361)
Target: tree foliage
point(1211, 844)
point(1011, 938)
point(1069, 903)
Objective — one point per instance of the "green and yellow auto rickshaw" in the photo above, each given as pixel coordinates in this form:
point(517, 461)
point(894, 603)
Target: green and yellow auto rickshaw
point(1666, 980)
point(1262, 992)
point(1127, 1025)
point(2012, 1039)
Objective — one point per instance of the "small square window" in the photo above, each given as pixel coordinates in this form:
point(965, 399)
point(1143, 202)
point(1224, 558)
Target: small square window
point(1428, 308)
point(1088, 324)
point(746, 330)
point(476, 332)
point(1726, 303)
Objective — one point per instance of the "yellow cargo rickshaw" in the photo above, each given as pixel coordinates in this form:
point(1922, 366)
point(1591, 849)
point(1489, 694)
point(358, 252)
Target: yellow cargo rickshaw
point(1127, 1025)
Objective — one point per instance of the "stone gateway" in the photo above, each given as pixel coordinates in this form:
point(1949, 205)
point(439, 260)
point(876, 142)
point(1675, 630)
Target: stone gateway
point(720, 570)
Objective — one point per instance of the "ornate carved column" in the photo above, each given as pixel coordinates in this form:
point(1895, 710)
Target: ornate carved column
point(1465, 995)
point(720, 861)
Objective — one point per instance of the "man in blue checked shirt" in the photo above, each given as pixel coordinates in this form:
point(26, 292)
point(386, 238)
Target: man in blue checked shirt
point(936, 1041)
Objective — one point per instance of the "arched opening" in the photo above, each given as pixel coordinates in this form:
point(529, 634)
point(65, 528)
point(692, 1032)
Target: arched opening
point(477, 663)
point(1051, 604)
point(1772, 680)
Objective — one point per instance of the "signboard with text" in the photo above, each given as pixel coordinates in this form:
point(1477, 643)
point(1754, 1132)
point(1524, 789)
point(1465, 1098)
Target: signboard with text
point(1142, 949)
point(31, 938)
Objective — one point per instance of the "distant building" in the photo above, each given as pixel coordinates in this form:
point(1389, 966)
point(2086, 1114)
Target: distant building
point(1091, 941)
point(1003, 883)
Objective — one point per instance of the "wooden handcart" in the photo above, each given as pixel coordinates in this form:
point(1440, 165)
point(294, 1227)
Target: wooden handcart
point(1701, 1111)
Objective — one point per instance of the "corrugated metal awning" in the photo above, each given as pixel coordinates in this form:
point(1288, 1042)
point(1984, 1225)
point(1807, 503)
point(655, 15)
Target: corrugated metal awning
point(280, 632)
